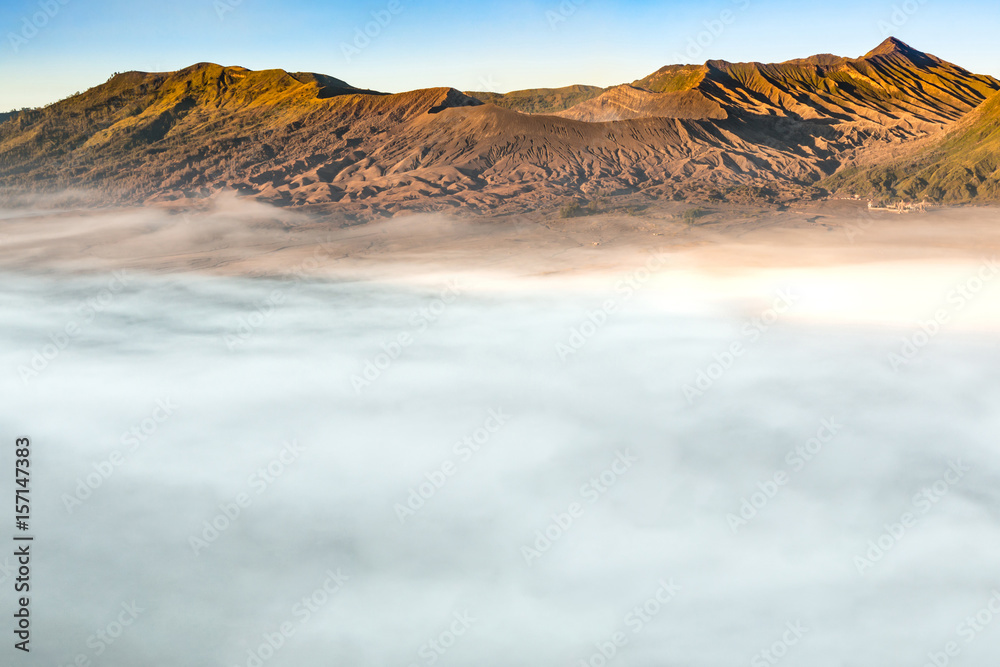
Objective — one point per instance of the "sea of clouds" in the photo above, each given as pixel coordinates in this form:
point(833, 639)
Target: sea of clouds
point(616, 471)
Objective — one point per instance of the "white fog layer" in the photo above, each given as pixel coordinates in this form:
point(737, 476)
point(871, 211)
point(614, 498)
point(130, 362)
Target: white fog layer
point(232, 471)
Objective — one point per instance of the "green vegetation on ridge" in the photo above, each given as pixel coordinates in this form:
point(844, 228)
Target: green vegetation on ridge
point(539, 100)
point(963, 165)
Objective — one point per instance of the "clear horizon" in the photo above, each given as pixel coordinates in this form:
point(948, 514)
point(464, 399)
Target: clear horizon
point(54, 48)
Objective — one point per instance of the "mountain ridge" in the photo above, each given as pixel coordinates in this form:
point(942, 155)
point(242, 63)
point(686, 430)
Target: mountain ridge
point(961, 165)
point(539, 100)
point(874, 86)
point(306, 139)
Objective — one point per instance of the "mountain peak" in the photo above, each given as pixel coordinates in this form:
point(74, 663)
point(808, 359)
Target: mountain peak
point(306, 139)
point(892, 45)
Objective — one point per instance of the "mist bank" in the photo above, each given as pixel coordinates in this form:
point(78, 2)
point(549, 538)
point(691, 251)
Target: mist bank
point(433, 441)
point(373, 472)
point(858, 266)
point(235, 236)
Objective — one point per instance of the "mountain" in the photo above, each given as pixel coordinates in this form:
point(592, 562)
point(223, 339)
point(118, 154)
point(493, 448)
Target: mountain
point(891, 85)
point(962, 165)
point(716, 130)
point(153, 136)
point(539, 100)
point(627, 102)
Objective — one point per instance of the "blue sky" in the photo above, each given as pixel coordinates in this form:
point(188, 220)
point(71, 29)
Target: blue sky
point(498, 45)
